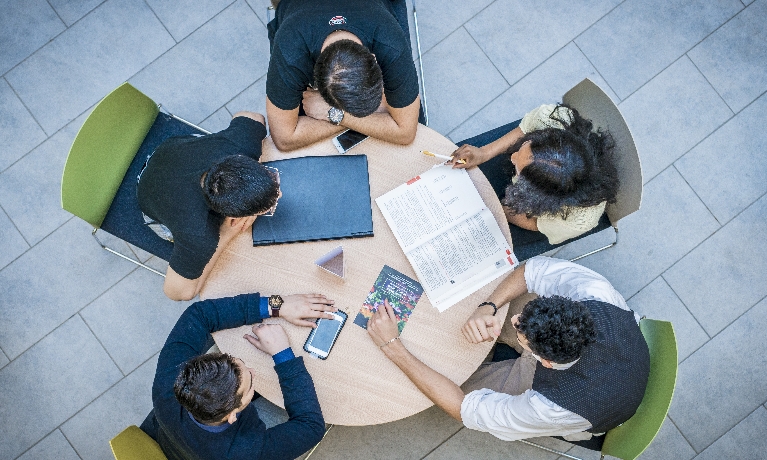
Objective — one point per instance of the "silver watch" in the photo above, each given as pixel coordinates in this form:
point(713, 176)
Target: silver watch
point(335, 115)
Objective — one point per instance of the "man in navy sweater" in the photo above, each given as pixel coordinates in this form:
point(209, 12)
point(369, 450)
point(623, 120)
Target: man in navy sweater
point(202, 403)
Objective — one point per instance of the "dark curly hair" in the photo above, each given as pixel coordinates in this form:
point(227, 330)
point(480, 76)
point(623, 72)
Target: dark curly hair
point(239, 186)
point(557, 328)
point(572, 167)
point(207, 387)
point(348, 77)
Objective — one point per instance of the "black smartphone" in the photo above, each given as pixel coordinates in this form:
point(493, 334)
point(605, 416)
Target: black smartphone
point(348, 139)
point(321, 339)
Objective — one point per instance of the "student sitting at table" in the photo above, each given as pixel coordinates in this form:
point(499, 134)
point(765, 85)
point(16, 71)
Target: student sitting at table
point(202, 403)
point(553, 174)
point(348, 63)
point(200, 192)
point(582, 372)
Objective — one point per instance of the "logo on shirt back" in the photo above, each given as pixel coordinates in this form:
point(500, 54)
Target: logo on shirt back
point(337, 20)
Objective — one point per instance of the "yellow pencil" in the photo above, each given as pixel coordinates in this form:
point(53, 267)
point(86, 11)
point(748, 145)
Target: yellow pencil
point(444, 157)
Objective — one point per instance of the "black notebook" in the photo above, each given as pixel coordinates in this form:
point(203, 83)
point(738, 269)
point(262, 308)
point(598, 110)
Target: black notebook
point(323, 198)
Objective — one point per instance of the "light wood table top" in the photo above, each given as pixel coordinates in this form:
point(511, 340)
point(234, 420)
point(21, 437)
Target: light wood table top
point(356, 384)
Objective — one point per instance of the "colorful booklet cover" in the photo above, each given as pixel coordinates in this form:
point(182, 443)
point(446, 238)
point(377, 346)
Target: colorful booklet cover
point(400, 290)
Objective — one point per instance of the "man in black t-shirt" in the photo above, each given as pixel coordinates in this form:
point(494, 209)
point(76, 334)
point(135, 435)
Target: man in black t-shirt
point(358, 60)
point(206, 190)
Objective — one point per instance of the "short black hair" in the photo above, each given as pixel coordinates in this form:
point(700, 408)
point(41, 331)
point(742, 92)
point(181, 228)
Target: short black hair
point(207, 387)
point(557, 328)
point(348, 77)
point(239, 186)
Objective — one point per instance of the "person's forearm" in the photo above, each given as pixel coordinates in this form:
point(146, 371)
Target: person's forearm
point(307, 131)
point(502, 144)
point(510, 288)
point(382, 126)
point(438, 388)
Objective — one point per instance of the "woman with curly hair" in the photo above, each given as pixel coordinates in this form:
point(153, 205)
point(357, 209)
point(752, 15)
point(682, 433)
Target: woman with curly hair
point(557, 175)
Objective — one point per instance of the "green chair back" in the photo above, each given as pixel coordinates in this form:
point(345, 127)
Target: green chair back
point(103, 150)
point(134, 444)
point(630, 439)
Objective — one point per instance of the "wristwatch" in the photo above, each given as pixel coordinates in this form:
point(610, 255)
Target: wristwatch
point(495, 308)
point(275, 303)
point(335, 115)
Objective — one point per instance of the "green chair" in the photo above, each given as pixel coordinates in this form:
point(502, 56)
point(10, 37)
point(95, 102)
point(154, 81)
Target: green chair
point(99, 180)
point(630, 439)
point(134, 444)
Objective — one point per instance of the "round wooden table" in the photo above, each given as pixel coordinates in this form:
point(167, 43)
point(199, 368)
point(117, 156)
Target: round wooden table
point(356, 384)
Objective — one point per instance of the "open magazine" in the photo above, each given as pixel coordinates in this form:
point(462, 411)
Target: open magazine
point(447, 233)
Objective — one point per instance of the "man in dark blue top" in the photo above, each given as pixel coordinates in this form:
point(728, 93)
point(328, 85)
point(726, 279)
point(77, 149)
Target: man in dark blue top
point(202, 403)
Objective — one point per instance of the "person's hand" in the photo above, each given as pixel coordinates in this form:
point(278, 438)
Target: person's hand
point(295, 308)
point(382, 326)
point(315, 106)
point(269, 338)
point(472, 156)
point(482, 326)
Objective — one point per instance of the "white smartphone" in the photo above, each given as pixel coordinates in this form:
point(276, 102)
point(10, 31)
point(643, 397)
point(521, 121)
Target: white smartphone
point(348, 139)
point(322, 337)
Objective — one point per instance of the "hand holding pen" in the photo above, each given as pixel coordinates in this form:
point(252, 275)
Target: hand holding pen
point(468, 156)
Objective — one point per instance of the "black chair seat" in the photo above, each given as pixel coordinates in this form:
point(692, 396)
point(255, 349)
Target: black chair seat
point(124, 219)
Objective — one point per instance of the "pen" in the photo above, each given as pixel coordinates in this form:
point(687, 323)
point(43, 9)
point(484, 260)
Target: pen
point(444, 157)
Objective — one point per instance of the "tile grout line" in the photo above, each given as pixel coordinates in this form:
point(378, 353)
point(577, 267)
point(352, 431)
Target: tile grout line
point(708, 81)
point(15, 93)
point(676, 294)
point(443, 442)
point(484, 53)
point(66, 28)
point(29, 246)
point(424, 51)
point(70, 442)
point(163, 25)
point(680, 432)
point(41, 240)
point(599, 73)
point(58, 15)
point(672, 165)
point(41, 440)
point(254, 12)
point(79, 313)
point(720, 436)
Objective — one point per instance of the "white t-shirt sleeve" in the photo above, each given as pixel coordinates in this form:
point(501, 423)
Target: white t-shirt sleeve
point(541, 118)
point(547, 276)
point(511, 418)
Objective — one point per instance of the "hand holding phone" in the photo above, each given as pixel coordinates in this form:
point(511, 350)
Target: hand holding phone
point(321, 339)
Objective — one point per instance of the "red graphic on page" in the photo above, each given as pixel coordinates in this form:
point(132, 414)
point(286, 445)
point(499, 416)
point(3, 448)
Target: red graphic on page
point(411, 181)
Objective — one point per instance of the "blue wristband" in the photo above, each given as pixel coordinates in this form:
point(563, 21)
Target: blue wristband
point(284, 355)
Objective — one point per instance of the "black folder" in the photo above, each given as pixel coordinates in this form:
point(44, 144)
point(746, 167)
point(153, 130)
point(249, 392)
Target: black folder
point(323, 198)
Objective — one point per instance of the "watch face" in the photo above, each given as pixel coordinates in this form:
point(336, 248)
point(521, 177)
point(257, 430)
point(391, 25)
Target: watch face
point(335, 115)
point(275, 301)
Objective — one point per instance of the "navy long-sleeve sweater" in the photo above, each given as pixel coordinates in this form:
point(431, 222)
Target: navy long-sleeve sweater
point(181, 437)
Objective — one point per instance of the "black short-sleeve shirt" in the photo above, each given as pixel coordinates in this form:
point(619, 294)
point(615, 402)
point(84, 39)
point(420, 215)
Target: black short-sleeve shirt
point(301, 26)
point(170, 190)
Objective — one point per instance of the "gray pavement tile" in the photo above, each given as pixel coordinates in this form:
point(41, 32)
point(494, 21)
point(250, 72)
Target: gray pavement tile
point(51, 282)
point(410, 438)
point(671, 222)
point(127, 403)
point(112, 43)
point(478, 446)
point(53, 447)
point(669, 443)
point(259, 7)
point(734, 58)
point(253, 99)
point(454, 94)
point(628, 52)
point(139, 253)
point(133, 318)
point(70, 11)
point(12, 244)
point(182, 17)
point(724, 276)
point(30, 190)
point(583, 453)
point(19, 132)
point(727, 169)
point(3, 359)
point(211, 66)
point(25, 26)
point(544, 85)
point(723, 382)
point(517, 36)
point(218, 121)
point(671, 113)
point(270, 413)
point(658, 301)
point(746, 440)
point(437, 20)
point(53, 380)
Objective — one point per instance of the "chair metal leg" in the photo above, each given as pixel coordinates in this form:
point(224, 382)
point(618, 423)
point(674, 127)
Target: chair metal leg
point(420, 64)
point(269, 10)
point(550, 450)
point(600, 249)
point(105, 247)
point(189, 123)
point(317, 445)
